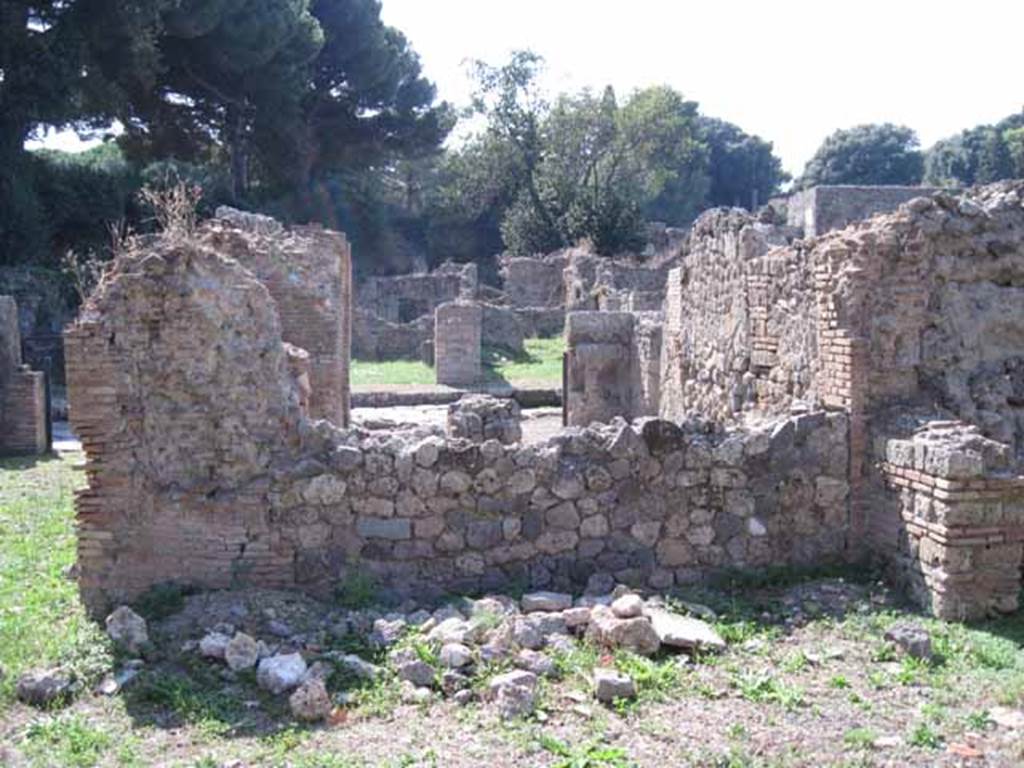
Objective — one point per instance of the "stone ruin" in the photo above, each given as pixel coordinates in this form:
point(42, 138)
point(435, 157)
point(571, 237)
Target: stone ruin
point(23, 417)
point(796, 402)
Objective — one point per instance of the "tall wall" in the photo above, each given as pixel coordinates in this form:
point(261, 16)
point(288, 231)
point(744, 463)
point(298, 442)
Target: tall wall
point(739, 321)
point(919, 311)
point(613, 362)
point(534, 282)
point(23, 416)
point(203, 469)
point(308, 271)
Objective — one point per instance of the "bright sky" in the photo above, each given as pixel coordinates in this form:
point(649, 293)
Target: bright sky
point(791, 71)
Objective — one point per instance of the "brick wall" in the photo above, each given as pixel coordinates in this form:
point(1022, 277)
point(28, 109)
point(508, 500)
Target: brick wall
point(308, 271)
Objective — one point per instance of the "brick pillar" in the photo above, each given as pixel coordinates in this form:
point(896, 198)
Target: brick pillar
point(457, 332)
point(22, 392)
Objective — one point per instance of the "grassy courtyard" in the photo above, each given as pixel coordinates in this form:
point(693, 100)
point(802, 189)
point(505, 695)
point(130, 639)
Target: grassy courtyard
point(540, 363)
point(807, 680)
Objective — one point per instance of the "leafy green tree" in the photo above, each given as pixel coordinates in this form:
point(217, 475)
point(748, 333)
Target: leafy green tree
point(866, 154)
point(977, 155)
point(61, 64)
point(744, 170)
point(1014, 138)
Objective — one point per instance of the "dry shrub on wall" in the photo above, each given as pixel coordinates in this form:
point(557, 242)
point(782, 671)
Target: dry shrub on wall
point(174, 207)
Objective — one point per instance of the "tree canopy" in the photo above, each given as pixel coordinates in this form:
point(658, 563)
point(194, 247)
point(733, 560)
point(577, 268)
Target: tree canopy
point(978, 155)
point(866, 154)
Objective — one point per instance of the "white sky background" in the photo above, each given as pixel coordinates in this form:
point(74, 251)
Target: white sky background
point(791, 71)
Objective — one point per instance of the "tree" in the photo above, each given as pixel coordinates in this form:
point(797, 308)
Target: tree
point(744, 170)
point(866, 154)
point(977, 155)
point(61, 64)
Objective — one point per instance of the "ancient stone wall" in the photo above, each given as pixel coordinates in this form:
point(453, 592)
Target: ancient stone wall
point(534, 282)
point(458, 326)
point(202, 468)
point(822, 209)
point(950, 518)
point(308, 272)
point(595, 282)
point(919, 309)
point(739, 320)
point(377, 339)
point(23, 417)
point(404, 298)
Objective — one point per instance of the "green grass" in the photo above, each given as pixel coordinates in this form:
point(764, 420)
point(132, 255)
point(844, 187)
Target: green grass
point(541, 362)
point(42, 622)
point(366, 373)
point(66, 741)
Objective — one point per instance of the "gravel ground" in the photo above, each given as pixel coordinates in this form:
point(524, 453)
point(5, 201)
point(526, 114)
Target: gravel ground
point(807, 680)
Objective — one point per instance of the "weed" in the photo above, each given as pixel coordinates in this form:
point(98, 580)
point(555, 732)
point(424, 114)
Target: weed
point(859, 738)
point(67, 741)
point(767, 688)
point(923, 736)
point(979, 720)
point(591, 755)
point(162, 600)
point(839, 682)
point(357, 590)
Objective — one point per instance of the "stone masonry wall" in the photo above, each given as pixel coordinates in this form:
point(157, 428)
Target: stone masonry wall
point(740, 325)
point(202, 468)
point(22, 392)
point(308, 271)
point(404, 298)
point(822, 209)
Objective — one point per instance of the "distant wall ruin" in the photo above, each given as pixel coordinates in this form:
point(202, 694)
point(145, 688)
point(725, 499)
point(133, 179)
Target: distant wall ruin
point(824, 208)
point(23, 417)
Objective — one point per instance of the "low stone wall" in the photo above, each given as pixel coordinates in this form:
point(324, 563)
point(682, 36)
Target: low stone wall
point(404, 298)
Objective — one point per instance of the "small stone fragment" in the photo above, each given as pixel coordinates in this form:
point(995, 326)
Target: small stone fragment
point(214, 645)
point(636, 634)
point(610, 684)
point(913, 639)
point(628, 606)
point(310, 702)
point(546, 601)
point(455, 655)
point(684, 631)
point(41, 688)
point(281, 673)
point(535, 661)
point(241, 652)
point(126, 628)
point(417, 672)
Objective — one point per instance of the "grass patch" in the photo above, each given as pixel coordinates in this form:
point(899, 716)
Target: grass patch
point(42, 622)
point(541, 361)
point(66, 741)
point(368, 373)
point(591, 755)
